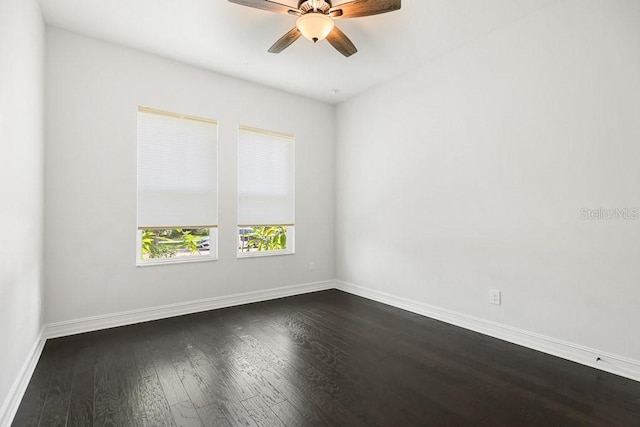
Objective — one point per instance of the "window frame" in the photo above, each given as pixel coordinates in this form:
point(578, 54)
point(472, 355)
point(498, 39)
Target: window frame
point(213, 228)
point(290, 249)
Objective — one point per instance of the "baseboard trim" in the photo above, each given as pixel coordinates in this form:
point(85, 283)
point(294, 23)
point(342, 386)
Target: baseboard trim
point(14, 397)
point(604, 361)
point(94, 323)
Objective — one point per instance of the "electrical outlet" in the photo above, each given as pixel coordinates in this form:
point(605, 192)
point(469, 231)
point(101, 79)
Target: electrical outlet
point(494, 297)
point(312, 266)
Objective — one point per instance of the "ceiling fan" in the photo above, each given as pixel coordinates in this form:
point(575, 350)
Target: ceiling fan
point(315, 19)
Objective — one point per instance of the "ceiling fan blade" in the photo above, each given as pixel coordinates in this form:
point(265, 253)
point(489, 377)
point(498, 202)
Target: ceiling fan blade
point(341, 42)
point(285, 41)
point(358, 8)
point(268, 5)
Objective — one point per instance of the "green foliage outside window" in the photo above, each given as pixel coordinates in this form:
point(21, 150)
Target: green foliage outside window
point(267, 238)
point(167, 243)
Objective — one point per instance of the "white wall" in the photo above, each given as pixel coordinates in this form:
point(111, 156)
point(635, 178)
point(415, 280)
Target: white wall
point(470, 173)
point(93, 91)
point(21, 194)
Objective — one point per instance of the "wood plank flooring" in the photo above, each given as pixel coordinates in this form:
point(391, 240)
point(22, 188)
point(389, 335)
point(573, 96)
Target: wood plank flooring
point(321, 359)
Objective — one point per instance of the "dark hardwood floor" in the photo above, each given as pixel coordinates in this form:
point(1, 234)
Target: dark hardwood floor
point(327, 358)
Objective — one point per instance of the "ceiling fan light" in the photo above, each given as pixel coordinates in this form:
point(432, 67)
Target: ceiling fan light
point(315, 26)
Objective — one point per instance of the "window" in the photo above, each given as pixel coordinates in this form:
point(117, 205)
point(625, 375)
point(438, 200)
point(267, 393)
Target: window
point(266, 184)
point(177, 188)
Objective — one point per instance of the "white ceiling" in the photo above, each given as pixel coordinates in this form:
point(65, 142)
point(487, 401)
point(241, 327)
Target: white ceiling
point(233, 39)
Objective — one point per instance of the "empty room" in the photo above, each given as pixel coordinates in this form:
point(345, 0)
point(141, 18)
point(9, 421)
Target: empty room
point(320, 213)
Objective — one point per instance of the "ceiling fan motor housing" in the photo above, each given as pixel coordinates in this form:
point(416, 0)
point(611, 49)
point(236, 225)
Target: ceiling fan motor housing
point(321, 6)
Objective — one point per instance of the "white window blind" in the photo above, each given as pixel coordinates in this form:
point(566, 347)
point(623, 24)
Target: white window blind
point(177, 171)
point(266, 178)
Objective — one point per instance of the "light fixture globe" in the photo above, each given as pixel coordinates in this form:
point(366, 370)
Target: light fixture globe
point(315, 26)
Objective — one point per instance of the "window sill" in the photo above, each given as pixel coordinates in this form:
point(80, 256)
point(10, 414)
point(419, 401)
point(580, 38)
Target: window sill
point(184, 260)
point(260, 254)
